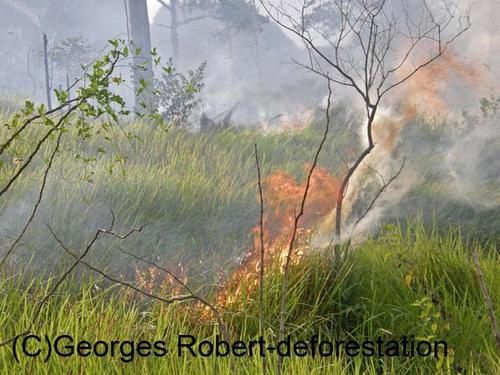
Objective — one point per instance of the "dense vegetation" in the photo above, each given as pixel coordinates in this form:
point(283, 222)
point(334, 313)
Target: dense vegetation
point(413, 283)
point(197, 193)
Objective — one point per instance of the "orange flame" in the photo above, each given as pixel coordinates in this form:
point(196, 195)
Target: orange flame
point(283, 194)
point(283, 197)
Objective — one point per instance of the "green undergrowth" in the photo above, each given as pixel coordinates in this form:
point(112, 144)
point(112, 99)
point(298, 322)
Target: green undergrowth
point(415, 283)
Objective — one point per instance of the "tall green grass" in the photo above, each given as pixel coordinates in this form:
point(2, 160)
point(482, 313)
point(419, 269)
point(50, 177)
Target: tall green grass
point(197, 193)
point(369, 294)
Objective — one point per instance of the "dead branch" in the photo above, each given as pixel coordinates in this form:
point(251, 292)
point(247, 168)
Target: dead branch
point(38, 201)
point(40, 304)
point(164, 4)
point(262, 253)
point(291, 244)
point(118, 281)
point(487, 299)
point(383, 188)
point(217, 315)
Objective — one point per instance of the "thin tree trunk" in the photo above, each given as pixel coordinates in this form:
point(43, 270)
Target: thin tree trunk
point(174, 32)
point(352, 170)
point(46, 63)
point(68, 88)
point(140, 35)
point(125, 6)
point(28, 71)
point(255, 26)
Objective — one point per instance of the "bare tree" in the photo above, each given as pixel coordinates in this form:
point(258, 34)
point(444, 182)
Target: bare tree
point(173, 7)
point(371, 47)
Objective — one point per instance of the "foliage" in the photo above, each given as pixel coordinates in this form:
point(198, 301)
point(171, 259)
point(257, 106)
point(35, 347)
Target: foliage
point(93, 99)
point(177, 94)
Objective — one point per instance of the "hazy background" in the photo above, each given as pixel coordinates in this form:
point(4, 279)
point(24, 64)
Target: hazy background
point(251, 70)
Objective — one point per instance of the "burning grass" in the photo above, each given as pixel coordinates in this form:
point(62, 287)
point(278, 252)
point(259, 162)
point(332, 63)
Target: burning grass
point(283, 196)
point(414, 283)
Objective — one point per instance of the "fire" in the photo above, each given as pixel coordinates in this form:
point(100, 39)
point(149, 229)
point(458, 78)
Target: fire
point(154, 281)
point(282, 197)
point(283, 194)
point(424, 95)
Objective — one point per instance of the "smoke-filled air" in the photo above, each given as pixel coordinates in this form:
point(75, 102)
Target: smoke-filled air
point(250, 186)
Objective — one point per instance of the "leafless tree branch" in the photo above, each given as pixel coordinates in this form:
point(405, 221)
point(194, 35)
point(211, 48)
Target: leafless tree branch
point(195, 296)
point(164, 4)
point(54, 288)
point(383, 188)
point(38, 201)
point(262, 253)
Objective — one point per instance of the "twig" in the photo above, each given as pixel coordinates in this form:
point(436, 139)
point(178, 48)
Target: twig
point(38, 308)
point(115, 280)
point(487, 299)
point(262, 254)
point(295, 227)
point(39, 200)
point(57, 126)
point(200, 299)
point(379, 193)
point(78, 259)
point(163, 3)
point(7, 143)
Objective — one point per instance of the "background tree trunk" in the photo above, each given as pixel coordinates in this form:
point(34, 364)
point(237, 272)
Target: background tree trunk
point(174, 32)
point(142, 62)
point(46, 63)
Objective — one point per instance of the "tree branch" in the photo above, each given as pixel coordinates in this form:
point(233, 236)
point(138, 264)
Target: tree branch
point(379, 193)
point(38, 201)
point(291, 244)
point(262, 254)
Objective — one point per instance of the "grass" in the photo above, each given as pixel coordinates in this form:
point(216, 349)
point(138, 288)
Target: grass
point(197, 193)
point(369, 295)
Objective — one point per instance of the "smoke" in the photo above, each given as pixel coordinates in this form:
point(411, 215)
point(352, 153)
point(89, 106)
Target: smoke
point(249, 65)
point(474, 164)
point(252, 69)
